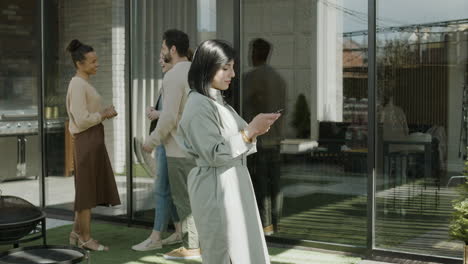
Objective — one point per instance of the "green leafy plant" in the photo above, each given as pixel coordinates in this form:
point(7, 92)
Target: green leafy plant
point(301, 117)
point(458, 228)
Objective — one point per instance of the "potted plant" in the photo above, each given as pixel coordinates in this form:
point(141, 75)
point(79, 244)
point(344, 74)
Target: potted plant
point(458, 228)
point(52, 106)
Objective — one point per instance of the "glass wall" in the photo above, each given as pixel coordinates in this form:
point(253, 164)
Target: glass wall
point(201, 20)
point(422, 137)
point(102, 26)
point(306, 58)
point(310, 171)
point(20, 71)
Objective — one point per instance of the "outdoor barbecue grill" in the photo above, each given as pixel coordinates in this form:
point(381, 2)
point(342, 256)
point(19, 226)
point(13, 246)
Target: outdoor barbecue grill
point(23, 126)
point(44, 255)
point(20, 221)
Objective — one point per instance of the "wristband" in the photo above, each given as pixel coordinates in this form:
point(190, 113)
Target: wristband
point(245, 137)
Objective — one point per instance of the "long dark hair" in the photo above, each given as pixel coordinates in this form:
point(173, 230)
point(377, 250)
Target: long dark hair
point(209, 57)
point(78, 51)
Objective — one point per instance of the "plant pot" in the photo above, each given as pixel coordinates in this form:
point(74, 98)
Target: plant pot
point(465, 254)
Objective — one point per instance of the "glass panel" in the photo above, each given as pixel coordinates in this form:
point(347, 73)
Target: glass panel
point(102, 26)
point(201, 20)
point(19, 82)
point(310, 172)
point(422, 94)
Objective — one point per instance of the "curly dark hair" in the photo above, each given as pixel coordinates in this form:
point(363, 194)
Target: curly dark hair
point(78, 51)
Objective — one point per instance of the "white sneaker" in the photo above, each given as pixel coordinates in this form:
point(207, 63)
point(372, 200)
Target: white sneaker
point(147, 245)
point(172, 239)
point(183, 253)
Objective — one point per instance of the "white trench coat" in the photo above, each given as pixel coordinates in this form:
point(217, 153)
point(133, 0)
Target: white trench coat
point(220, 189)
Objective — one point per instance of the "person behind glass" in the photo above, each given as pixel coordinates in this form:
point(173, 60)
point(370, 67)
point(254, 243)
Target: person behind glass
point(164, 207)
point(220, 190)
point(393, 118)
point(175, 48)
point(265, 91)
point(94, 178)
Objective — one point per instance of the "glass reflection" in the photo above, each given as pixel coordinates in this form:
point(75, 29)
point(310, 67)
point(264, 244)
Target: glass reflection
point(19, 82)
point(310, 172)
point(421, 82)
point(265, 92)
point(150, 20)
point(107, 36)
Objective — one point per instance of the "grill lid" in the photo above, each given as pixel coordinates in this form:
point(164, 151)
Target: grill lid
point(14, 210)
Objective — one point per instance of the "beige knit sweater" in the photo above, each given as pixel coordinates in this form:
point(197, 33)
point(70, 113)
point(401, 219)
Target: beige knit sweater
point(174, 95)
point(83, 105)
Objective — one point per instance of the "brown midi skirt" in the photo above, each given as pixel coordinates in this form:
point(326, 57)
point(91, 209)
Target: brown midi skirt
point(94, 179)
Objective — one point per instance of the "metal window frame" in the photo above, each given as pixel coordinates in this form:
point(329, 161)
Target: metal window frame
point(237, 94)
point(40, 110)
point(371, 112)
point(128, 112)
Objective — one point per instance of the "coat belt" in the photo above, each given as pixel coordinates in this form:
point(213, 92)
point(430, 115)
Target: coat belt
point(236, 162)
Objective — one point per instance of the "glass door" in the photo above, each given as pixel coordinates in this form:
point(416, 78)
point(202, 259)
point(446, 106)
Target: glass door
point(310, 172)
point(102, 26)
point(20, 79)
point(201, 20)
point(421, 132)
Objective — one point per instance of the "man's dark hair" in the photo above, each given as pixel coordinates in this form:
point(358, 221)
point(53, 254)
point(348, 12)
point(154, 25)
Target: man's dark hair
point(179, 39)
point(78, 51)
point(209, 57)
point(261, 49)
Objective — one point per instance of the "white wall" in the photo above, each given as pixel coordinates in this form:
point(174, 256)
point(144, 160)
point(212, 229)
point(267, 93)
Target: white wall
point(329, 62)
point(307, 52)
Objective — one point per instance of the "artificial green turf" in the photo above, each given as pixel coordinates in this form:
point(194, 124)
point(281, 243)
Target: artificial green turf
point(121, 238)
point(138, 171)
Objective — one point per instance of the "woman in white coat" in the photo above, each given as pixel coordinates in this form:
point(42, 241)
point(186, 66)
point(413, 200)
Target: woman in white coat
point(220, 190)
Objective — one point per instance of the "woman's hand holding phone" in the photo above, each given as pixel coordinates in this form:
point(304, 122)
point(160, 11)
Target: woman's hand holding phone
point(260, 124)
